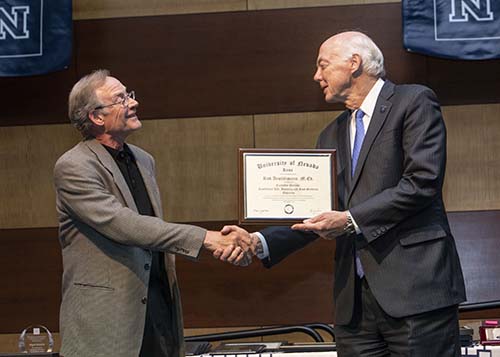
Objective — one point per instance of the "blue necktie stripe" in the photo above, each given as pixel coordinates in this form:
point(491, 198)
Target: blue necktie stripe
point(358, 142)
point(358, 139)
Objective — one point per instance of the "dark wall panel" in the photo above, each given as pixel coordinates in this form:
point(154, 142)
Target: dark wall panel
point(36, 100)
point(215, 294)
point(31, 273)
point(299, 290)
point(235, 63)
point(478, 245)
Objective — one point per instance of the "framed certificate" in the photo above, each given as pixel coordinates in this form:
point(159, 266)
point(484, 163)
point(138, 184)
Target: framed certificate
point(281, 186)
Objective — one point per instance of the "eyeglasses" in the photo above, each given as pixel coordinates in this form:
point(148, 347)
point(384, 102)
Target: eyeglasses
point(123, 100)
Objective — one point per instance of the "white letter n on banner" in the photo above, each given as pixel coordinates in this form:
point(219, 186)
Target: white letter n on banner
point(479, 9)
point(15, 23)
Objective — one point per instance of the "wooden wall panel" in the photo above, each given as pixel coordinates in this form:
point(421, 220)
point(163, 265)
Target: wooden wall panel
point(196, 167)
point(98, 9)
point(471, 181)
point(37, 100)
point(473, 166)
point(208, 286)
point(215, 294)
point(95, 9)
point(235, 63)
point(197, 161)
point(452, 81)
point(292, 130)
point(27, 158)
point(31, 270)
point(283, 4)
point(208, 64)
point(477, 245)
point(197, 164)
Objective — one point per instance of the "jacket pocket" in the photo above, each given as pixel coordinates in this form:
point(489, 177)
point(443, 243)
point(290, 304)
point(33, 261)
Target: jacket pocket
point(425, 234)
point(93, 286)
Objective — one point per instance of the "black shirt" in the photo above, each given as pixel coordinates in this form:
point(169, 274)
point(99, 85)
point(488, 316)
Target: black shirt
point(159, 336)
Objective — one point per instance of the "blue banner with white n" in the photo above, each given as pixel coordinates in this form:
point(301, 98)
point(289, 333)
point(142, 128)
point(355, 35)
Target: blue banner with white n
point(458, 29)
point(35, 36)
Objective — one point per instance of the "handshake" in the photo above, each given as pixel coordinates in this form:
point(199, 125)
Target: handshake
point(233, 244)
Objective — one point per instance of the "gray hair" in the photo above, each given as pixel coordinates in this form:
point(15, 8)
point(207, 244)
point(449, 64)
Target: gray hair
point(83, 100)
point(372, 57)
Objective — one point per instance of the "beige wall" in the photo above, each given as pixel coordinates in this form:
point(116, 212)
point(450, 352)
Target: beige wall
point(197, 161)
point(96, 9)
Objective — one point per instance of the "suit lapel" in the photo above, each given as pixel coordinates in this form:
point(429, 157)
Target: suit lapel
point(344, 155)
point(343, 139)
point(109, 163)
point(380, 113)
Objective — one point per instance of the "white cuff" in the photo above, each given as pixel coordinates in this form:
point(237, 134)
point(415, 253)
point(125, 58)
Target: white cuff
point(265, 248)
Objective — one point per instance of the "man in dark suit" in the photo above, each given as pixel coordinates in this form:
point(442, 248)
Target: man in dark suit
point(398, 280)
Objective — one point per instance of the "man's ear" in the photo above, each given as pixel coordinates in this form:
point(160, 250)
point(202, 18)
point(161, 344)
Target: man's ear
point(96, 117)
point(356, 65)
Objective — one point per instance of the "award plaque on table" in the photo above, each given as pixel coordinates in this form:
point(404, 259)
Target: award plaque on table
point(36, 339)
point(285, 186)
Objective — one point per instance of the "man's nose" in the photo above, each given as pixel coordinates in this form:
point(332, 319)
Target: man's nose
point(317, 75)
point(133, 103)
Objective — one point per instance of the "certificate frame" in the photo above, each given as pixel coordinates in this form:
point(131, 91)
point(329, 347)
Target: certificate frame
point(282, 159)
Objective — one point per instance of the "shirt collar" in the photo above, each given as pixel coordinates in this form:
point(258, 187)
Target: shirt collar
point(368, 105)
point(120, 154)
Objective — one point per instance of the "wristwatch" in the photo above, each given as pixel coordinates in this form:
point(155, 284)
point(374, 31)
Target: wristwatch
point(349, 225)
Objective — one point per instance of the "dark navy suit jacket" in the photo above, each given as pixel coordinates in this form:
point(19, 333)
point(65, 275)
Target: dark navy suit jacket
point(395, 196)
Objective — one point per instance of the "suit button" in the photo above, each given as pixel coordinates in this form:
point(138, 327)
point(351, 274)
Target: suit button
point(374, 234)
point(146, 266)
point(144, 300)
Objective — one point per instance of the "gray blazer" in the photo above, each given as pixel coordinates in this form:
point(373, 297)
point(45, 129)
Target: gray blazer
point(406, 248)
point(105, 246)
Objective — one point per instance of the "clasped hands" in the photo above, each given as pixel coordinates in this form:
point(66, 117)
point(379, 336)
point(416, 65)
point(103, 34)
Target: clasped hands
point(235, 245)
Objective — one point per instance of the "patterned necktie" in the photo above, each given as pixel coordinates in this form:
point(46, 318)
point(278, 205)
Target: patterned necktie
point(358, 139)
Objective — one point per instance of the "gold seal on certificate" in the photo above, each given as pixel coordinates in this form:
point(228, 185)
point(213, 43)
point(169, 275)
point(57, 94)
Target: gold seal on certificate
point(284, 186)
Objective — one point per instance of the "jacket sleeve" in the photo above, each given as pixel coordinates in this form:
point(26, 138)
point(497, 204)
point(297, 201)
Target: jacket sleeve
point(283, 241)
point(83, 195)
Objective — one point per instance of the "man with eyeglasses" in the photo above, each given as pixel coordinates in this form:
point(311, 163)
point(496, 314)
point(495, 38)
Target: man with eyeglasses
point(119, 291)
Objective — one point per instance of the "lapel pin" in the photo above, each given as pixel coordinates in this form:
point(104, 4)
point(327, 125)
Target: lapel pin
point(383, 108)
